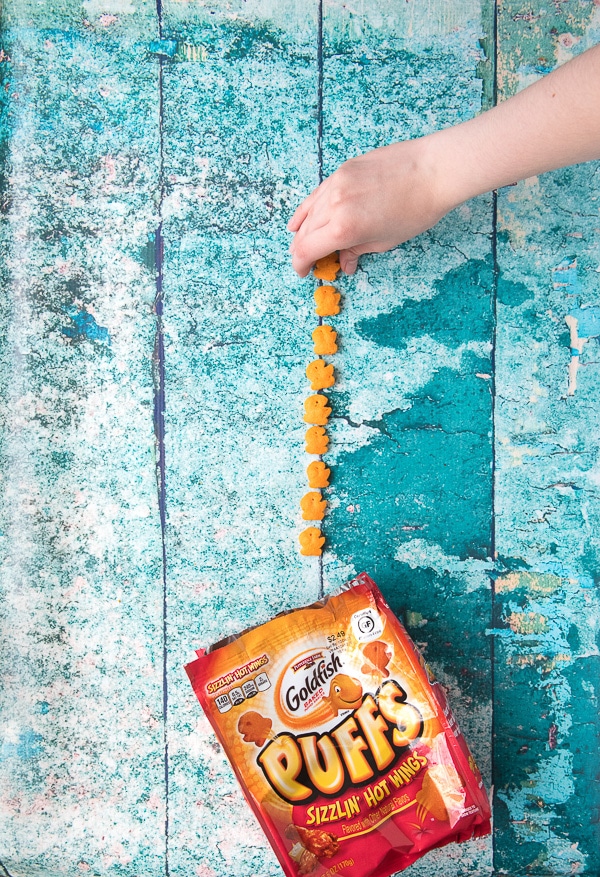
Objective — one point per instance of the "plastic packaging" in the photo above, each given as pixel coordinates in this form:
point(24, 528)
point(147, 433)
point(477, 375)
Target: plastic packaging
point(344, 745)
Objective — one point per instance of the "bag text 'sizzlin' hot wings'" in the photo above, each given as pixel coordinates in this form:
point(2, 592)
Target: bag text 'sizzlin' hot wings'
point(345, 747)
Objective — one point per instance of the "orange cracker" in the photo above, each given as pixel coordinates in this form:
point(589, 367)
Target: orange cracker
point(313, 506)
point(316, 410)
point(324, 339)
point(327, 267)
point(318, 474)
point(327, 299)
point(311, 542)
point(317, 440)
point(320, 374)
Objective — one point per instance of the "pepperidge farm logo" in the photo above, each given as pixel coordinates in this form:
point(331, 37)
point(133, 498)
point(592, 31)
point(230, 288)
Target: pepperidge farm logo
point(303, 687)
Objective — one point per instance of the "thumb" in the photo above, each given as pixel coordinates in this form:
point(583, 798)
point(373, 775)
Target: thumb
point(349, 258)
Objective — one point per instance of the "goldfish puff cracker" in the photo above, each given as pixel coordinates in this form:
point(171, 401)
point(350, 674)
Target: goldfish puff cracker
point(311, 542)
point(318, 474)
point(316, 410)
point(320, 375)
point(327, 299)
point(324, 339)
point(327, 267)
point(317, 440)
point(313, 506)
point(349, 772)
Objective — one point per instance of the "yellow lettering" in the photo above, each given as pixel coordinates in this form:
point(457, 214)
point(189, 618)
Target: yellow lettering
point(407, 718)
point(282, 762)
point(323, 763)
point(352, 748)
point(362, 746)
point(406, 771)
point(369, 797)
point(374, 728)
point(375, 794)
point(352, 806)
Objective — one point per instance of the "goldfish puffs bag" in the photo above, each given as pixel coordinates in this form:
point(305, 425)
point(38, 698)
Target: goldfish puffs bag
point(344, 746)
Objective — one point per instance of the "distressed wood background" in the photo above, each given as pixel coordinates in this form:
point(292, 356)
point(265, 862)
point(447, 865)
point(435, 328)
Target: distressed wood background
point(154, 340)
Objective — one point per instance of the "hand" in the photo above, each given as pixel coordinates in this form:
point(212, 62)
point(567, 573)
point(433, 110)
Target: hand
point(369, 205)
point(376, 201)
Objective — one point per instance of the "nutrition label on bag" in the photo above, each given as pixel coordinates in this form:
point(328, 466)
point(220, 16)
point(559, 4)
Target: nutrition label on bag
point(237, 696)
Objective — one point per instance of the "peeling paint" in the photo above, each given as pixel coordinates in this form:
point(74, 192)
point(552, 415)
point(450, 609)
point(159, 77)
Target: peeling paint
point(527, 623)
point(583, 322)
point(84, 326)
point(149, 155)
point(422, 554)
point(529, 581)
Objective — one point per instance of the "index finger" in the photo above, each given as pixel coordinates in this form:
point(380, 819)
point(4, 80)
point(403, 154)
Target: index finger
point(312, 246)
point(300, 214)
point(305, 207)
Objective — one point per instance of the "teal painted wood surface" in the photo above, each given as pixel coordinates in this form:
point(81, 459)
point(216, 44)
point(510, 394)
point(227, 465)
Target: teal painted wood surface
point(153, 353)
point(546, 612)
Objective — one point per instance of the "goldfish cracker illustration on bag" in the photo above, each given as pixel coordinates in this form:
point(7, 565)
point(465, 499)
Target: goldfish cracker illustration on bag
point(345, 748)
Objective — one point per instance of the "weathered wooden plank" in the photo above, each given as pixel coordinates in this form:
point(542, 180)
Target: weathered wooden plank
point(411, 436)
point(82, 764)
point(240, 146)
point(547, 525)
point(82, 769)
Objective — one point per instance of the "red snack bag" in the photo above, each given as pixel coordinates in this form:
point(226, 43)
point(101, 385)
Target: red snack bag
point(344, 746)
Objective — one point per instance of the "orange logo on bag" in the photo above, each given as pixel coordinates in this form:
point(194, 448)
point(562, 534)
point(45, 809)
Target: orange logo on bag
point(301, 693)
point(345, 693)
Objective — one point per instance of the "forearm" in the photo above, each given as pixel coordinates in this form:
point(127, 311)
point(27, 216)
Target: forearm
point(386, 196)
point(552, 123)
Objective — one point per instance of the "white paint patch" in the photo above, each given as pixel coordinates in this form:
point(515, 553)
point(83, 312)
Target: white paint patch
point(553, 784)
point(421, 554)
point(406, 372)
point(100, 9)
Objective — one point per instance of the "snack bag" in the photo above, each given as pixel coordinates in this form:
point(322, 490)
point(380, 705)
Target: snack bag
point(345, 747)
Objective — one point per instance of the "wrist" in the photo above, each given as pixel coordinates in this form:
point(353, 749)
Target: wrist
point(459, 172)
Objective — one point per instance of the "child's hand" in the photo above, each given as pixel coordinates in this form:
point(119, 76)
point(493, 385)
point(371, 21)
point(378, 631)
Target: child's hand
point(369, 205)
point(380, 199)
